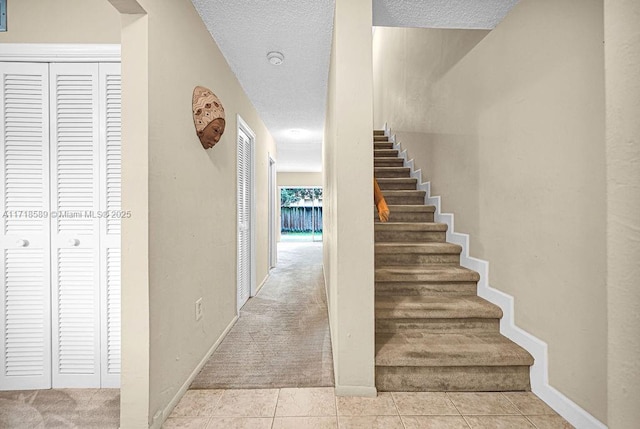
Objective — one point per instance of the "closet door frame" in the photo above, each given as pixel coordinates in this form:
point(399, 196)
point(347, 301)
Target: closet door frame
point(62, 53)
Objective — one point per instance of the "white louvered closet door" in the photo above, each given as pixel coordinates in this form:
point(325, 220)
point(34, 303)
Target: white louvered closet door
point(25, 325)
point(244, 218)
point(110, 203)
point(75, 261)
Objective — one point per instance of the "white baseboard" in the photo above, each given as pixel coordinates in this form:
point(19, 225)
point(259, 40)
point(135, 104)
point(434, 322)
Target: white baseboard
point(262, 284)
point(539, 372)
point(365, 391)
point(160, 417)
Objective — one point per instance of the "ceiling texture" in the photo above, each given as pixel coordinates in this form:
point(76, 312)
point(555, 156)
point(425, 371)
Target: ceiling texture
point(291, 97)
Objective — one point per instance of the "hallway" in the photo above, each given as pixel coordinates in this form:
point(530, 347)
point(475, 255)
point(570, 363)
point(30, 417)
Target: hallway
point(282, 336)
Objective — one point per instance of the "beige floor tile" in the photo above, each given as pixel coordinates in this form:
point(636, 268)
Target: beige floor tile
point(434, 422)
point(306, 402)
point(550, 422)
point(305, 422)
point(381, 405)
point(240, 423)
point(424, 403)
point(247, 403)
point(482, 403)
point(186, 423)
point(529, 404)
point(370, 422)
point(498, 422)
point(197, 402)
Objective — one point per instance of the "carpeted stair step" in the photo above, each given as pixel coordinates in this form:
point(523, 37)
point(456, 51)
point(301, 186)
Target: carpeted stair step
point(380, 138)
point(433, 314)
point(450, 362)
point(398, 183)
point(404, 197)
point(379, 172)
point(425, 280)
point(378, 132)
point(388, 162)
point(436, 307)
point(436, 314)
point(383, 145)
point(416, 254)
point(385, 153)
point(408, 213)
point(399, 232)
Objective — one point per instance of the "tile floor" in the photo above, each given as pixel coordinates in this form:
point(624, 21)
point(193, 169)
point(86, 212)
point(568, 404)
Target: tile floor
point(319, 408)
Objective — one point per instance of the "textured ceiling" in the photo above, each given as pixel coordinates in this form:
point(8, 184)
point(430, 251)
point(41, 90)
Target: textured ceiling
point(293, 94)
point(476, 14)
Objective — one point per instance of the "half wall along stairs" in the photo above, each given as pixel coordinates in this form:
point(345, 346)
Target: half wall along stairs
point(433, 333)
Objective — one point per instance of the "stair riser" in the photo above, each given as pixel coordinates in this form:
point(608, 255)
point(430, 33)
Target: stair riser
point(404, 200)
point(403, 185)
point(416, 259)
point(383, 145)
point(389, 288)
point(395, 216)
point(452, 379)
point(395, 172)
point(435, 326)
point(410, 237)
point(388, 162)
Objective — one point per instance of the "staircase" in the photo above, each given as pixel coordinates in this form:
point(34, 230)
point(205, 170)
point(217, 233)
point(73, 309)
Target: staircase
point(433, 333)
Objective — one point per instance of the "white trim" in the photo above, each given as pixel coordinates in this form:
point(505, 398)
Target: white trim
point(263, 283)
point(59, 53)
point(364, 391)
point(242, 125)
point(162, 415)
point(273, 217)
point(539, 372)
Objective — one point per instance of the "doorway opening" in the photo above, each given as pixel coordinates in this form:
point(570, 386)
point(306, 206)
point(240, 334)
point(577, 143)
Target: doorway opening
point(300, 214)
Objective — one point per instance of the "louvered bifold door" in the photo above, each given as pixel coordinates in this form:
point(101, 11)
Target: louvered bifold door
point(110, 221)
point(75, 258)
point(244, 218)
point(25, 316)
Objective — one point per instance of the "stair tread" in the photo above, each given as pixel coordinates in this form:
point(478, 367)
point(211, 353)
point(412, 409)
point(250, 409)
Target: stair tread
point(435, 272)
point(435, 307)
point(434, 247)
point(411, 208)
point(396, 179)
point(395, 192)
point(451, 349)
point(411, 226)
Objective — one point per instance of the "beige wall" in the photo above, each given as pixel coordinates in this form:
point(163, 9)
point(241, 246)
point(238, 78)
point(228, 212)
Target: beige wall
point(299, 179)
point(622, 62)
point(192, 197)
point(509, 128)
point(61, 21)
point(348, 223)
point(134, 381)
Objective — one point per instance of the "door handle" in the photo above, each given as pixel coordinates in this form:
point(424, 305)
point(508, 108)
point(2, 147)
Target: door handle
point(22, 243)
point(74, 242)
